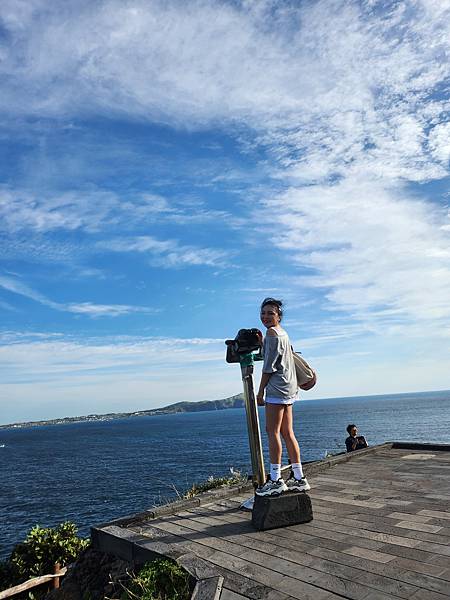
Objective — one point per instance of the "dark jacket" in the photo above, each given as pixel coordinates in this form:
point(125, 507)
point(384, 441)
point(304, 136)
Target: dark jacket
point(355, 443)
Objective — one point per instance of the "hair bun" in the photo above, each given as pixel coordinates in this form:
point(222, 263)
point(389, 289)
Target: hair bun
point(270, 300)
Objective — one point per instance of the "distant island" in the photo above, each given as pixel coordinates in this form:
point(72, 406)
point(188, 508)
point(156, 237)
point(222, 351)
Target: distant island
point(179, 407)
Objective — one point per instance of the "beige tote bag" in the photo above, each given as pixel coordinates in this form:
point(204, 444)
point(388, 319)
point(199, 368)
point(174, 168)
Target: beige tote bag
point(306, 376)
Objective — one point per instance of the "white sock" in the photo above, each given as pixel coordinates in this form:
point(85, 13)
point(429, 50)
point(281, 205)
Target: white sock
point(298, 471)
point(275, 472)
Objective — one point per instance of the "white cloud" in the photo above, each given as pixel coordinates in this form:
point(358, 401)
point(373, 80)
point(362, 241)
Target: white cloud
point(137, 373)
point(18, 287)
point(336, 87)
point(104, 310)
point(83, 308)
point(22, 210)
point(377, 253)
point(167, 253)
point(112, 374)
point(46, 356)
point(258, 63)
point(439, 141)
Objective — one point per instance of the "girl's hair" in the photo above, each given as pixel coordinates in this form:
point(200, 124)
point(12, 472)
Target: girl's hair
point(273, 302)
point(350, 427)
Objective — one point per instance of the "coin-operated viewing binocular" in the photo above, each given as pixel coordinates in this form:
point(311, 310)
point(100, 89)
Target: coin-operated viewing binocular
point(245, 349)
point(247, 341)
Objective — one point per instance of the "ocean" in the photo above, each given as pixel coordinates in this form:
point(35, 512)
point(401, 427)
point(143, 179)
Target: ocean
point(93, 472)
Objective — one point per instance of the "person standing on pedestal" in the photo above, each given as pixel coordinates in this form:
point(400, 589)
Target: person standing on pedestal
point(278, 391)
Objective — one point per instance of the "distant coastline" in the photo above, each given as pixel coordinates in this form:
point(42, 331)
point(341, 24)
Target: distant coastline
point(179, 407)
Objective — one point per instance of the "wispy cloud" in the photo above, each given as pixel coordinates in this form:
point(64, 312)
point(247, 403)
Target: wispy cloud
point(33, 226)
point(22, 289)
point(377, 253)
point(137, 373)
point(90, 211)
point(168, 253)
point(105, 310)
point(115, 373)
point(83, 308)
point(69, 356)
point(228, 59)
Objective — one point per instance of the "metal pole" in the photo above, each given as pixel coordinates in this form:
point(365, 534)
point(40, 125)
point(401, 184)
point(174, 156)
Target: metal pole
point(254, 432)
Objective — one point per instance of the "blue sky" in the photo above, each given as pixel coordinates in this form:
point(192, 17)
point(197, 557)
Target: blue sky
point(166, 165)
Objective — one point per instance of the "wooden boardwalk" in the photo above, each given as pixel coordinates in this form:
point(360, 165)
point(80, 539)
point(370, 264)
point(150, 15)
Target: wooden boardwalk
point(381, 530)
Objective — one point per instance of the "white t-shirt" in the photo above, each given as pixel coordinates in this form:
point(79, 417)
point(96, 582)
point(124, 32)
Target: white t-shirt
point(278, 360)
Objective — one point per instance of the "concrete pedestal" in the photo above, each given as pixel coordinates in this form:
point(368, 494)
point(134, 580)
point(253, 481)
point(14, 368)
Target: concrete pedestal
point(270, 512)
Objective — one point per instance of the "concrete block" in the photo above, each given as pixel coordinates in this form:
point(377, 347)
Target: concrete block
point(111, 540)
point(208, 589)
point(270, 512)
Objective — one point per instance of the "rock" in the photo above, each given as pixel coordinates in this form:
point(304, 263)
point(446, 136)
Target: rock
point(94, 575)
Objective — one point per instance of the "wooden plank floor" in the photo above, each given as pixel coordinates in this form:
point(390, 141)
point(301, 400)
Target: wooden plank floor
point(381, 530)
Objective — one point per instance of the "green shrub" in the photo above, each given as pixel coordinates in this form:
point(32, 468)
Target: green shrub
point(161, 579)
point(37, 555)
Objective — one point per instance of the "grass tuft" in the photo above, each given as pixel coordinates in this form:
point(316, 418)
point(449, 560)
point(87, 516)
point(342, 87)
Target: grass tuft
point(161, 579)
point(212, 483)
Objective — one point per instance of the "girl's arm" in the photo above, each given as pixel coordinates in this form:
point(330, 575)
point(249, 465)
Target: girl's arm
point(262, 386)
point(270, 356)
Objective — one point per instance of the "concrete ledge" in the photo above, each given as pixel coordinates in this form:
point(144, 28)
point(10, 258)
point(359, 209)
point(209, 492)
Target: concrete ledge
point(138, 550)
point(177, 505)
point(116, 540)
point(421, 446)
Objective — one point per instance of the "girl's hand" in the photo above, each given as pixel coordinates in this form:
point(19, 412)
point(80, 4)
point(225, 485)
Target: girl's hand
point(260, 399)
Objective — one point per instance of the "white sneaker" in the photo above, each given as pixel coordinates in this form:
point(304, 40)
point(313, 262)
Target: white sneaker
point(272, 488)
point(297, 485)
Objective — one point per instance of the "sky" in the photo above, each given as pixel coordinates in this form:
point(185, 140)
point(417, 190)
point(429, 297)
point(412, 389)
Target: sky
point(165, 165)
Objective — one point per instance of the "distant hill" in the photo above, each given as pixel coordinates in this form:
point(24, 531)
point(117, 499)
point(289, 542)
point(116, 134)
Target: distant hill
point(179, 407)
point(231, 402)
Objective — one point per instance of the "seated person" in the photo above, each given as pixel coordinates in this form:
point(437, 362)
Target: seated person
point(354, 441)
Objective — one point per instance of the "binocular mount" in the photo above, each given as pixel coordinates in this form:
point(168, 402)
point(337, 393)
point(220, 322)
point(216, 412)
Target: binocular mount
point(245, 349)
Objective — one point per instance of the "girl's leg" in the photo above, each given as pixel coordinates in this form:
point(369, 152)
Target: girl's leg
point(298, 482)
point(287, 431)
point(274, 417)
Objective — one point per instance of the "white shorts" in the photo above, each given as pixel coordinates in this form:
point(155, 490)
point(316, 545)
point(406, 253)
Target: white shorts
point(285, 401)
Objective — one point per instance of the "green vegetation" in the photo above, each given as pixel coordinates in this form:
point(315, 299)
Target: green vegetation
point(161, 579)
point(215, 482)
point(37, 555)
point(44, 547)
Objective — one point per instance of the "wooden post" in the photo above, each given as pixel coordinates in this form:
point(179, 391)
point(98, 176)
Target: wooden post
point(56, 571)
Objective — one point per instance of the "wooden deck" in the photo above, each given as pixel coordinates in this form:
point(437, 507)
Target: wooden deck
point(381, 530)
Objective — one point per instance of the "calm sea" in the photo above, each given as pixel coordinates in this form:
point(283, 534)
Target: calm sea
point(93, 472)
